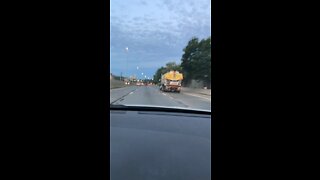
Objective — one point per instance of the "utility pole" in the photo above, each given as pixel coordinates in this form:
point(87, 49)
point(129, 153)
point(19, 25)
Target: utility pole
point(126, 72)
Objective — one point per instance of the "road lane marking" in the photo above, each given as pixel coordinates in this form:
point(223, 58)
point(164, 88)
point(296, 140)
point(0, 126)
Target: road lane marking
point(164, 94)
point(178, 101)
point(198, 96)
point(131, 93)
point(122, 97)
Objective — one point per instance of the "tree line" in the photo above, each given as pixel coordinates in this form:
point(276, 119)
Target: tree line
point(195, 62)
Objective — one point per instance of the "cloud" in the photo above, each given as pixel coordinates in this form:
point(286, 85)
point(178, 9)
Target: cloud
point(157, 34)
point(144, 3)
point(137, 18)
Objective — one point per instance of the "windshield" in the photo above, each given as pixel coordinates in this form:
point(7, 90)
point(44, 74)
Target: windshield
point(160, 53)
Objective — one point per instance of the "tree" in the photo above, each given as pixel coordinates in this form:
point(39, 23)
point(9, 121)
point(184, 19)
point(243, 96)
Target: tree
point(196, 60)
point(202, 61)
point(157, 75)
point(172, 66)
point(188, 58)
point(169, 66)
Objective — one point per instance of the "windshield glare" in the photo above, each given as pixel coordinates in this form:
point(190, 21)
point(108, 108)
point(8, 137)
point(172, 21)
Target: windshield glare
point(160, 53)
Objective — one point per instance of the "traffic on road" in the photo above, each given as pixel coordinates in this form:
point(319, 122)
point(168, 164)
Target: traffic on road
point(153, 96)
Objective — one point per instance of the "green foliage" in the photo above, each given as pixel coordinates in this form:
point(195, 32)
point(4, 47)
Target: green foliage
point(169, 66)
point(195, 62)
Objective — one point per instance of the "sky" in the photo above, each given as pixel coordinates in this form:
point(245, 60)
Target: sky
point(146, 34)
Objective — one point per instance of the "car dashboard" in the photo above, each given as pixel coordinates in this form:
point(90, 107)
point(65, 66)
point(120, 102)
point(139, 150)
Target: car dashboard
point(159, 144)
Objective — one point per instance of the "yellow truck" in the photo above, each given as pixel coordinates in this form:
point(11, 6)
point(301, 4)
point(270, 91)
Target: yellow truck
point(171, 81)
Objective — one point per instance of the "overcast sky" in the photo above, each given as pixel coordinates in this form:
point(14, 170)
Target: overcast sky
point(155, 32)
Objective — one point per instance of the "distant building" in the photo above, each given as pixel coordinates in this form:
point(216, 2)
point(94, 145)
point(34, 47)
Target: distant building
point(132, 78)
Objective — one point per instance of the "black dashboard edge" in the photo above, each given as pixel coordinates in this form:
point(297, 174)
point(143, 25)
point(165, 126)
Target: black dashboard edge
point(158, 109)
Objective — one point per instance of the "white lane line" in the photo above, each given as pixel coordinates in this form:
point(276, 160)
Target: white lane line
point(131, 93)
point(178, 101)
point(198, 96)
point(164, 94)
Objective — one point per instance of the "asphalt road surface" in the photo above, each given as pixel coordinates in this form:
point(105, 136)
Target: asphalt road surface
point(151, 95)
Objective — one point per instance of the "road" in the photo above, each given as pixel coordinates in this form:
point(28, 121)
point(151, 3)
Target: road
point(151, 95)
